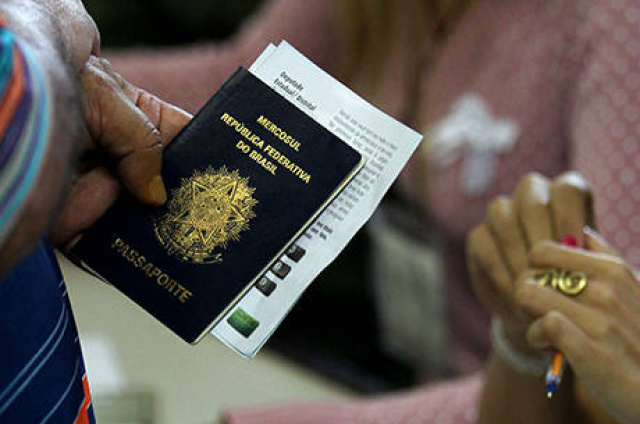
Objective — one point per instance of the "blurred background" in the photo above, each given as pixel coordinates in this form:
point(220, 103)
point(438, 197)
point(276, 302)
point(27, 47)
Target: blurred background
point(140, 373)
point(332, 344)
point(125, 23)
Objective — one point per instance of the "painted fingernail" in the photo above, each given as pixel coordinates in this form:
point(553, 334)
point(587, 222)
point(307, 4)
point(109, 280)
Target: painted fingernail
point(156, 190)
point(569, 240)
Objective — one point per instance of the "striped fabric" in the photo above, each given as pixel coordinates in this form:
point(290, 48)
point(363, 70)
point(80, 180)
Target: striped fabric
point(42, 376)
point(24, 123)
point(42, 373)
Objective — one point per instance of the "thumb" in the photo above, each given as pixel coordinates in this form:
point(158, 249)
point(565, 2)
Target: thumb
point(125, 133)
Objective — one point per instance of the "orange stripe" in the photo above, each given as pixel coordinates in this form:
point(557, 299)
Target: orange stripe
point(83, 417)
point(557, 363)
point(83, 414)
point(85, 386)
point(14, 94)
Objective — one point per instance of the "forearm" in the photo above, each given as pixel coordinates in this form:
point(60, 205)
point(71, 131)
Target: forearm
point(49, 100)
point(512, 397)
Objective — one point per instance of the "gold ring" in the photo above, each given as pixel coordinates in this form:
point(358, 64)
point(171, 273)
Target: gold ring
point(544, 277)
point(566, 282)
point(573, 283)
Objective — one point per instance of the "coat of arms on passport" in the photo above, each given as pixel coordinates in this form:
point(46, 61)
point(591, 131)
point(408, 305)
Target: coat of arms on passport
point(205, 213)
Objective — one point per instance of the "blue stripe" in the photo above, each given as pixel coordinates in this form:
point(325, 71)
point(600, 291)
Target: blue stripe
point(33, 373)
point(64, 395)
point(6, 59)
point(30, 303)
point(37, 354)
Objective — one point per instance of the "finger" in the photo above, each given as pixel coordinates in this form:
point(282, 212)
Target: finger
point(594, 264)
point(89, 198)
point(483, 254)
point(503, 225)
point(602, 295)
point(167, 118)
point(539, 301)
point(532, 205)
point(594, 242)
point(126, 134)
point(571, 205)
point(486, 291)
point(556, 330)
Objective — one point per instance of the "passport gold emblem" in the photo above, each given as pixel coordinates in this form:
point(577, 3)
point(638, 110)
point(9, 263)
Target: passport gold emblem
point(204, 214)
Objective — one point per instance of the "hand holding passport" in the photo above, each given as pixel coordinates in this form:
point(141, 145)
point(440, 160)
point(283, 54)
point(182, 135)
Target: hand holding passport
point(247, 179)
point(129, 112)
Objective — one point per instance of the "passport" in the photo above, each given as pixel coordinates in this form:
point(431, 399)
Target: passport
point(245, 177)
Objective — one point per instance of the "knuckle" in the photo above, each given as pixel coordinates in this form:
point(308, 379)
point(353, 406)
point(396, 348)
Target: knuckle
point(620, 271)
point(605, 297)
point(604, 329)
point(523, 294)
point(146, 101)
point(94, 78)
point(541, 252)
point(104, 62)
point(152, 138)
point(93, 62)
point(552, 324)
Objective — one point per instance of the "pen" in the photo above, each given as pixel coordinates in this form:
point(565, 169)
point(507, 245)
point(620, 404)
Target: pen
point(554, 373)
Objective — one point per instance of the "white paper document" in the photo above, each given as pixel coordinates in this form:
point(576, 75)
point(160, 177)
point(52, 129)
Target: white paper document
point(385, 143)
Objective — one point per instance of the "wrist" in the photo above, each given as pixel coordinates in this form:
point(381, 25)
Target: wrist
point(513, 349)
point(516, 336)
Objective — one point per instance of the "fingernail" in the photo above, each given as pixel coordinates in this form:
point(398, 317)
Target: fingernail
point(569, 240)
point(157, 191)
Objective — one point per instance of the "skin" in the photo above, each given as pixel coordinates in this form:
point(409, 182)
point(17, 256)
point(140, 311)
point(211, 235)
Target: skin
point(31, 22)
point(498, 248)
point(113, 131)
point(598, 331)
point(595, 329)
point(129, 129)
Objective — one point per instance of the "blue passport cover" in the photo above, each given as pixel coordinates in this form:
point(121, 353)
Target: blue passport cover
point(244, 179)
